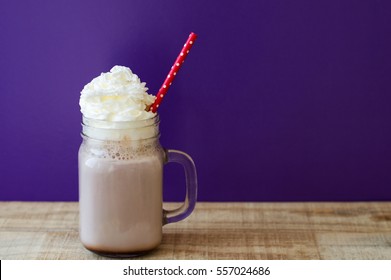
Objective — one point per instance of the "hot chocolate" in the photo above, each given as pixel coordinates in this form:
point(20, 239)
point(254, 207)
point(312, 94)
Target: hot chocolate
point(120, 199)
point(121, 168)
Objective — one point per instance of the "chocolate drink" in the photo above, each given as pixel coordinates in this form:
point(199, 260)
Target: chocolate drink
point(121, 166)
point(120, 199)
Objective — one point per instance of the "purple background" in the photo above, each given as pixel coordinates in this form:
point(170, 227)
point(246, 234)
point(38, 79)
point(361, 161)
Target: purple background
point(278, 100)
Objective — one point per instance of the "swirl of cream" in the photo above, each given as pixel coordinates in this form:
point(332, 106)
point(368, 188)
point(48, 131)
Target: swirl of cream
point(118, 95)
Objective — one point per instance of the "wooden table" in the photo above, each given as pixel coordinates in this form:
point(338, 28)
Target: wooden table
point(215, 231)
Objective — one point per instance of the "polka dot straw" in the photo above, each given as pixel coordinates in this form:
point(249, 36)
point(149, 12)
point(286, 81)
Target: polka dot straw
point(174, 70)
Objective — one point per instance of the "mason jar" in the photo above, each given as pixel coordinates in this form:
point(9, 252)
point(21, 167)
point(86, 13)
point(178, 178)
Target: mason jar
point(120, 186)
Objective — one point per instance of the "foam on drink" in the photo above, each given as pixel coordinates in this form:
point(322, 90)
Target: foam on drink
point(118, 95)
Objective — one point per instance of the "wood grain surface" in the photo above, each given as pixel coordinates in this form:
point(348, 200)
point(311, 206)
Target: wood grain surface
point(215, 231)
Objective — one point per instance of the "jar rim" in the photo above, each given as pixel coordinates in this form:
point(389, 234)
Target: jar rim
point(120, 130)
point(126, 139)
point(106, 124)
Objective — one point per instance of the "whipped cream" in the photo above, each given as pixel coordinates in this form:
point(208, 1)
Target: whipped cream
point(118, 95)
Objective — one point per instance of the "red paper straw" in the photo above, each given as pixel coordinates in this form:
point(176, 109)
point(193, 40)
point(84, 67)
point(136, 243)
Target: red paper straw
point(173, 72)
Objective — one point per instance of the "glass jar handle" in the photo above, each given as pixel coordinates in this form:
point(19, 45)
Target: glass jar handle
point(176, 215)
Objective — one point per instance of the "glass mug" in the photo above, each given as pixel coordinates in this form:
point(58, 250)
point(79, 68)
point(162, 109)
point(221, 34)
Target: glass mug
point(120, 186)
